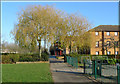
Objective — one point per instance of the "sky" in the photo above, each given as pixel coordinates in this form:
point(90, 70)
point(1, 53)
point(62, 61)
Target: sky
point(97, 13)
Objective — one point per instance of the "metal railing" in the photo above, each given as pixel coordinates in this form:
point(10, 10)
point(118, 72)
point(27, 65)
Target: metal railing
point(95, 67)
point(73, 61)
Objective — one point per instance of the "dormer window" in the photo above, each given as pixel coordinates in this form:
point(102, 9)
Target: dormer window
point(96, 33)
point(108, 33)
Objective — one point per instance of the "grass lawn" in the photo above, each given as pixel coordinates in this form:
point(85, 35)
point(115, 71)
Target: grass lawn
point(38, 72)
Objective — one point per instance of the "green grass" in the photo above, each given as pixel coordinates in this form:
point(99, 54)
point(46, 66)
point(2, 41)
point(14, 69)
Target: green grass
point(39, 72)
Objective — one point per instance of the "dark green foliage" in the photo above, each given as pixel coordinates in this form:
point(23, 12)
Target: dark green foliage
point(6, 59)
point(10, 58)
point(29, 57)
point(14, 57)
point(112, 61)
point(44, 57)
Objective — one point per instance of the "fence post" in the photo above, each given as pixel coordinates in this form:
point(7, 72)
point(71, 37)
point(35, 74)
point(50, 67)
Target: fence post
point(67, 58)
point(84, 65)
point(100, 68)
point(76, 62)
point(72, 61)
point(118, 74)
point(95, 69)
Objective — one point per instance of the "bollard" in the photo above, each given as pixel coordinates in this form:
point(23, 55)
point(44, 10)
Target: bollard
point(118, 74)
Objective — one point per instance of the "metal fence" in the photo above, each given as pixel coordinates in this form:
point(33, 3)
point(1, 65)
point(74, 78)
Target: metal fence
point(73, 61)
point(97, 67)
point(103, 72)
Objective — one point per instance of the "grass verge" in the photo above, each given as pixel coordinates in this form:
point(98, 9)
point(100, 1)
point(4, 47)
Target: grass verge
point(38, 72)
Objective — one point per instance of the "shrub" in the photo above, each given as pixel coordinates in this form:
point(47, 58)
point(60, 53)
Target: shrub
point(44, 57)
point(6, 59)
point(112, 61)
point(14, 57)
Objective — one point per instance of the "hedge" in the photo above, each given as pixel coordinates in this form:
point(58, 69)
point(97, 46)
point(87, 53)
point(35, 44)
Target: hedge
point(13, 58)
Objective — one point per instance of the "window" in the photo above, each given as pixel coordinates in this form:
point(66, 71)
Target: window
point(108, 33)
point(116, 52)
point(116, 33)
point(108, 43)
point(97, 52)
point(96, 33)
point(108, 52)
point(97, 44)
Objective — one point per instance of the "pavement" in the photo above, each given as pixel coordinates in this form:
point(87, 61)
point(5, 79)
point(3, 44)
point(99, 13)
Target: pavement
point(64, 73)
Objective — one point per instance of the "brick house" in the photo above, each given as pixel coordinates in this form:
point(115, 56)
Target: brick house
point(105, 40)
point(57, 49)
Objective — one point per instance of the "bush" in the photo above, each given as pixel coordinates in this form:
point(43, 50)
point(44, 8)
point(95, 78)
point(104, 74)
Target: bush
point(14, 57)
point(10, 58)
point(29, 57)
point(44, 57)
point(112, 61)
point(6, 59)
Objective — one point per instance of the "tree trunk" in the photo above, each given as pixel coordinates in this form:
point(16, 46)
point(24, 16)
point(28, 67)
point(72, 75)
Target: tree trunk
point(70, 46)
point(40, 49)
point(44, 44)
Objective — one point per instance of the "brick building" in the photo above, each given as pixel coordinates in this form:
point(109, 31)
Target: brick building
point(105, 40)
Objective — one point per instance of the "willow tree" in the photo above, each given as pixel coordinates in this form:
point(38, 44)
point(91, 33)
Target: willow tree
point(74, 31)
point(35, 23)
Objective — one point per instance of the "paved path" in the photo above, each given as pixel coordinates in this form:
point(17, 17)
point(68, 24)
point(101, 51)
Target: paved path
point(62, 73)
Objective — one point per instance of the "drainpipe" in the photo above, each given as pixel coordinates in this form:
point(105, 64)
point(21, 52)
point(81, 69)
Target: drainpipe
point(103, 43)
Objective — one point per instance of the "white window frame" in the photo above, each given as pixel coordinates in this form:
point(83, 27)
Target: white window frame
point(108, 42)
point(116, 33)
point(97, 43)
point(96, 33)
point(108, 52)
point(108, 33)
point(97, 53)
point(116, 53)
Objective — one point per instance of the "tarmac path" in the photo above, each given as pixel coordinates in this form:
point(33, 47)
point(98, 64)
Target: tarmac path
point(63, 73)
